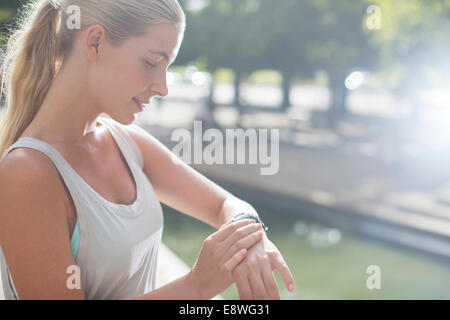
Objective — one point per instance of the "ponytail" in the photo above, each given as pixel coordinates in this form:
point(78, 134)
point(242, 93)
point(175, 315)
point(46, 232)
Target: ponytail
point(28, 68)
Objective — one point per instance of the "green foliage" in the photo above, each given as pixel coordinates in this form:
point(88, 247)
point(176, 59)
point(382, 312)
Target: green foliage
point(414, 41)
point(292, 36)
point(266, 77)
point(341, 44)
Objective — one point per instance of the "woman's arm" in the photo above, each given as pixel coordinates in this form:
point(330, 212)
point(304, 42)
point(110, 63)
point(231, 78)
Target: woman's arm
point(186, 190)
point(179, 186)
point(220, 254)
point(34, 233)
point(180, 289)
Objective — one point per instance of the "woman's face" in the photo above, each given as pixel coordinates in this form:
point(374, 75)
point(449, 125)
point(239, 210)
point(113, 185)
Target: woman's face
point(136, 69)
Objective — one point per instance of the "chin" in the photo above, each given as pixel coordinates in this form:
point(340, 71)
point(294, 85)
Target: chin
point(129, 121)
point(124, 119)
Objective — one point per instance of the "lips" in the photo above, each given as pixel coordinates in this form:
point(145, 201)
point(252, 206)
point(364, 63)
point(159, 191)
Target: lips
point(139, 102)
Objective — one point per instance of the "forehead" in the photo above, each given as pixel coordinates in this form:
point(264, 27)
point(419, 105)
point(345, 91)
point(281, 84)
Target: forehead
point(163, 38)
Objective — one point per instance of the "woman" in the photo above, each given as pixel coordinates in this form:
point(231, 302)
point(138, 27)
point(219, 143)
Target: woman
point(82, 190)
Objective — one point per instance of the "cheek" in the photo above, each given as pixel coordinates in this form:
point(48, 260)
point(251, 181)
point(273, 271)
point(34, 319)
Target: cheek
point(134, 78)
point(120, 82)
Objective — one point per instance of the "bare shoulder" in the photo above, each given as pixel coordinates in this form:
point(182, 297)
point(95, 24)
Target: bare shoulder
point(25, 168)
point(142, 137)
point(25, 159)
point(29, 175)
point(33, 225)
point(154, 152)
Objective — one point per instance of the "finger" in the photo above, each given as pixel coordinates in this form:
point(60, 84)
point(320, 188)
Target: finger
point(243, 286)
point(284, 272)
point(242, 232)
point(244, 243)
point(227, 229)
point(259, 289)
point(235, 260)
point(270, 283)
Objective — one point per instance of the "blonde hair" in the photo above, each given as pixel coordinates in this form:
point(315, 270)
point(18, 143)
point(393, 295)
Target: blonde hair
point(38, 46)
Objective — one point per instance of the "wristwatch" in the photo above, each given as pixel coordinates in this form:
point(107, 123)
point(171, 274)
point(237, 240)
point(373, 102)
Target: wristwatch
point(246, 215)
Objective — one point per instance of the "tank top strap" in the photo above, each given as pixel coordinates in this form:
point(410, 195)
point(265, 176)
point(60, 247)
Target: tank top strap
point(47, 149)
point(68, 174)
point(123, 139)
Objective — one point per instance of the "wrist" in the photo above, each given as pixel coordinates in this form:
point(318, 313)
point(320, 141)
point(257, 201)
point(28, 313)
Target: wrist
point(249, 215)
point(231, 207)
point(194, 285)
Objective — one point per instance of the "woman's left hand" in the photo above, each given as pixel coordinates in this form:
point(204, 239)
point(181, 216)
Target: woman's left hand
point(254, 276)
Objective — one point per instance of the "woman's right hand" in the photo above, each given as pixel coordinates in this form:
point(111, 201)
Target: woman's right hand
point(221, 252)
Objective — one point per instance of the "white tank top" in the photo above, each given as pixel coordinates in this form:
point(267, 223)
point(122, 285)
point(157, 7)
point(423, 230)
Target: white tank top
point(119, 243)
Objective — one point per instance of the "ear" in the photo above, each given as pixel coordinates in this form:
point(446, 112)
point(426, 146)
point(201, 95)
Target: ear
point(94, 37)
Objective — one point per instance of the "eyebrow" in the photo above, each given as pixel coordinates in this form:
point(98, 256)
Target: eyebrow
point(161, 53)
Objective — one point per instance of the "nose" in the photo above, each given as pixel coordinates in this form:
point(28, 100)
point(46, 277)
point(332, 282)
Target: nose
point(159, 87)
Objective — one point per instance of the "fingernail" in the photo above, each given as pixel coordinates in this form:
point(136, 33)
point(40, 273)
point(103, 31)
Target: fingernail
point(291, 287)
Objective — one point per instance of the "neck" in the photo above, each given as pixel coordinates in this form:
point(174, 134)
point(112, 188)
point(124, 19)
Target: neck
point(68, 113)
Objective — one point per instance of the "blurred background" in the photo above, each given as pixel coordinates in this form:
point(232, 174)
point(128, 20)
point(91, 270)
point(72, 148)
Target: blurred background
point(360, 93)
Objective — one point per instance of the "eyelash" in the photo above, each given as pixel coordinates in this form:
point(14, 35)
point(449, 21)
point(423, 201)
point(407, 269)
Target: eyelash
point(149, 64)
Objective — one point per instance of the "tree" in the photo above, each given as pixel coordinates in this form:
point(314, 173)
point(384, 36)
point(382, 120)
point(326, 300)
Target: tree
point(226, 34)
point(289, 26)
point(341, 46)
point(414, 45)
point(294, 37)
point(248, 35)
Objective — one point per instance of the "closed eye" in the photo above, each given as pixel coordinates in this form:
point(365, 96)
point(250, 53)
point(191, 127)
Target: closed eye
point(149, 64)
